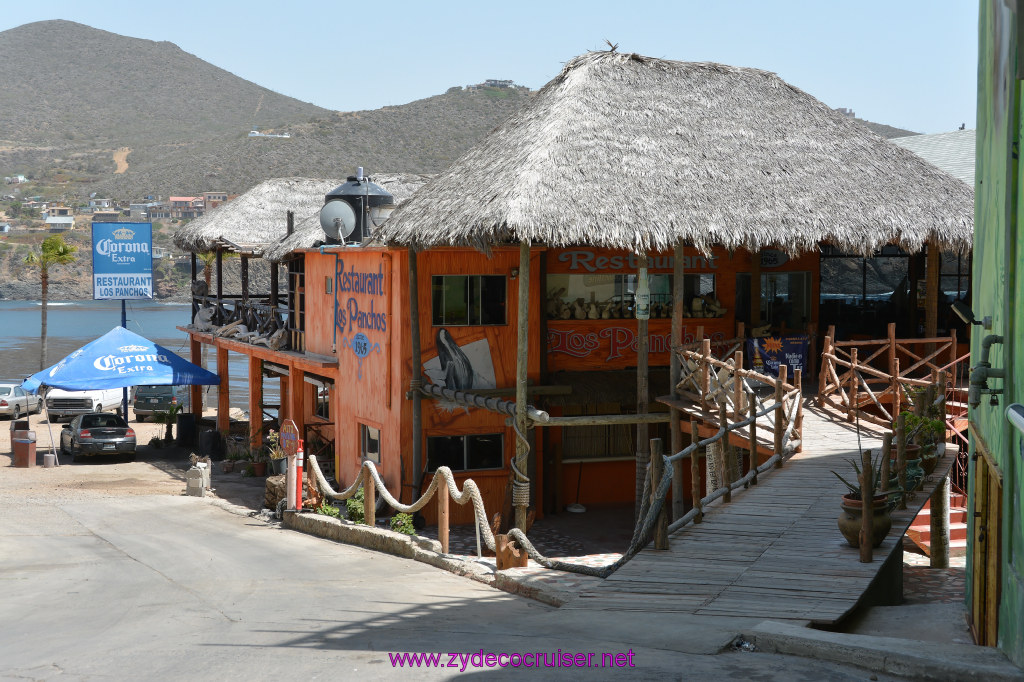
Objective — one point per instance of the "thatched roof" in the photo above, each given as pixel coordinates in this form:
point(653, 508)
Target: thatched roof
point(626, 151)
point(256, 218)
point(308, 234)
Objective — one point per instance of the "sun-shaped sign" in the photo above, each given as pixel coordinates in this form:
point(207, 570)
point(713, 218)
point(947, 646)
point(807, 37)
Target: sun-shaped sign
point(772, 344)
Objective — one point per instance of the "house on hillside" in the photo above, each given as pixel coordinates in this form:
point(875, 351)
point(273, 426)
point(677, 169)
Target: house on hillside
point(212, 200)
point(186, 208)
point(107, 215)
point(518, 272)
point(100, 204)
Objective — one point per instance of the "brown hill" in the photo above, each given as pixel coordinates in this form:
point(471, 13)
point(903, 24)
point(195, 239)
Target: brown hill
point(73, 95)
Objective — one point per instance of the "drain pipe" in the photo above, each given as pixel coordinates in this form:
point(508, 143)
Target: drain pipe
point(984, 371)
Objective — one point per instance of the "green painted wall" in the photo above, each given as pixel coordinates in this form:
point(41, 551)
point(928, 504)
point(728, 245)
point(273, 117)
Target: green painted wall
point(999, 289)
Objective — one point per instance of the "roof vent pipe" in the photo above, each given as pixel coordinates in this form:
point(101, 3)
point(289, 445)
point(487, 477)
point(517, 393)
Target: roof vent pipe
point(291, 221)
point(359, 173)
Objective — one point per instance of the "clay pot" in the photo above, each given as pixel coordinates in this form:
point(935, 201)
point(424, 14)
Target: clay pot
point(849, 520)
point(259, 468)
point(227, 466)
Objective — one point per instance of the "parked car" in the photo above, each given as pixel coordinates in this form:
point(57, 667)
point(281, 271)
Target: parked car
point(61, 403)
point(97, 433)
point(14, 401)
point(150, 399)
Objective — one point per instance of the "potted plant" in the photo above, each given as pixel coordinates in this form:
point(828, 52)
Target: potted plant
point(278, 460)
point(259, 462)
point(926, 433)
point(852, 505)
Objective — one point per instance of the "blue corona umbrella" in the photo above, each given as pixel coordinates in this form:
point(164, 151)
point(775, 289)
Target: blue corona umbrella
point(118, 359)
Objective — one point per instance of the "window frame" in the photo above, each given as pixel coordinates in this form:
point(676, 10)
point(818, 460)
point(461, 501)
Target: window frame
point(465, 437)
point(364, 430)
point(475, 310)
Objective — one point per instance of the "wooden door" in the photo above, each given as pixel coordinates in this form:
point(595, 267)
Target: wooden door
point(988, 500)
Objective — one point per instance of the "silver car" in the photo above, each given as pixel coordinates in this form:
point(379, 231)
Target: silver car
point(15, 402)
point(97, 433)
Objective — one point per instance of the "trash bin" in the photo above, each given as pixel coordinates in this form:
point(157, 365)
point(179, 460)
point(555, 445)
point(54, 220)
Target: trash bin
point(186, 429)
point(19, 425)
point(209, 444)
point(24, 453)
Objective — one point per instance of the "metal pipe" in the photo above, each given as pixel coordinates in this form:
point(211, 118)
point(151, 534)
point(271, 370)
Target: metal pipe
point(983, 371)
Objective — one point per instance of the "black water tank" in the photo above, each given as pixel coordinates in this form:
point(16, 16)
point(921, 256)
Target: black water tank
point(361, 194)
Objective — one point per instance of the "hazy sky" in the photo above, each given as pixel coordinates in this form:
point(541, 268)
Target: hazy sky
point(905, 63)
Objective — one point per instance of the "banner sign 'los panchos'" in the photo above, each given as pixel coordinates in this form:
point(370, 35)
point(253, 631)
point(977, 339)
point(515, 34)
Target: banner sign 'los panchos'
point(122, 260)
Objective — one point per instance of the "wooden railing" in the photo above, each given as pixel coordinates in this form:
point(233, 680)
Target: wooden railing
point(720, 386)
point(879, 374)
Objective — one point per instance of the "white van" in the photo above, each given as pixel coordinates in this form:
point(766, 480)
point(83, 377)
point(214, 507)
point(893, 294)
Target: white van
point(62, 404)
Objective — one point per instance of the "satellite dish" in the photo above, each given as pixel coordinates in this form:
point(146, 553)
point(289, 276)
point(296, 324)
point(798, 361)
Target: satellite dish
point(337, 219)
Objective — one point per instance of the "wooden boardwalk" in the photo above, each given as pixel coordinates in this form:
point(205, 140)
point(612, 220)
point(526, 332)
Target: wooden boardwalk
point(773, 552)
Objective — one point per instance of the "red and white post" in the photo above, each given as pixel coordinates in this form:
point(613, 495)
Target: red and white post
point(298, 477)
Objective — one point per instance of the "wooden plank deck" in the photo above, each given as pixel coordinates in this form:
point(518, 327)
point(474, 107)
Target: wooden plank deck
point(774, 551)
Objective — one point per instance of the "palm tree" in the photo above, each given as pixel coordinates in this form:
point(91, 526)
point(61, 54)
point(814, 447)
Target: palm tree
point(54, 251)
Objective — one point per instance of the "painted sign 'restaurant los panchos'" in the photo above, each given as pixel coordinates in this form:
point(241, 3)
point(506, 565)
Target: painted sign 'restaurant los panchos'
point(350, 315)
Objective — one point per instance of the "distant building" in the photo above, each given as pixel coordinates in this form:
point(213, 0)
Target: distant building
point(15, 179)
point(60, 223)
point(212, 200)
point(846, 112)
point(5, 228)
point(100, 203)
point(187, 208)
point(107, 216)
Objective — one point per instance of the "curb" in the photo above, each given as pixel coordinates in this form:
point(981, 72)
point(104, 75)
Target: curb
point(901, 657)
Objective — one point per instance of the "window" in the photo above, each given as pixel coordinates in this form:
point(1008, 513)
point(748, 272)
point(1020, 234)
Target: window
point(785, 298)
point(462, 453)
point(468, 299)
point(322, 388)
point(613, 294)
point(369, 443)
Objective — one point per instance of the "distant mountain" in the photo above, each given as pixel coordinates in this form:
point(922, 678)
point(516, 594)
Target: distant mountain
point(73, 96)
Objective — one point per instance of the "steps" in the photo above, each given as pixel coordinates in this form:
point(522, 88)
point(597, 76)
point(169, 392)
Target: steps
point(921, 530)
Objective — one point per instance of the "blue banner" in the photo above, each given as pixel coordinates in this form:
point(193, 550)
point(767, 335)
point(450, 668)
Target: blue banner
point(122, 260)
point(767, 353)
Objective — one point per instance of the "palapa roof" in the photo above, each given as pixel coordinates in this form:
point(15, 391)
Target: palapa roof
point(308, 234)
point(953, 152)
point(631, 152)
point(256, 218)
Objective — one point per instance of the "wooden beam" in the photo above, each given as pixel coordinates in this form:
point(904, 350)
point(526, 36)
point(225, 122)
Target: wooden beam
point(931, 296)
point(223, 391)
point(255, 402)
point(520, 502)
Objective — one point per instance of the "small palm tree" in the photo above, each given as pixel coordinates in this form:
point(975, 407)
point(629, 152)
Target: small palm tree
point(54, 251)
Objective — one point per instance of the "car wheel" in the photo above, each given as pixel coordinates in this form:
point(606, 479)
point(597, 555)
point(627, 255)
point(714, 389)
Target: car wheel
point(39, 406)
point(99, 408)
point(16, 413)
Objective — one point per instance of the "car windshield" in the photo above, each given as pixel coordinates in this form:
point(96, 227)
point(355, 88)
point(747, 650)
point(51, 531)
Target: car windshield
point(93, 421)
point(153, 391)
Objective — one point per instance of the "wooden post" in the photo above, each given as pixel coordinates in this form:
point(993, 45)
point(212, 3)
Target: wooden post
point(867, 498)
point(369, 500)
point(931, 292)
point(724, 461)
point(643, 454)
point(780, 414)
point(798, 429)
point(755, 289)
point(737, 386)
point(196, 390)
point(223, 390)
point(255, 402)
point(886, 464)
point(695, 471)
point(753, 437)
point(897, 405)
point(894, 380)
point(705, 372)
point(442, 515)
point(657, 471)
point(520, 500)
point(415, 381)
point(675, 372)
point(851, 410)
point(823, 372)
point(940, 525)
point(901, 458)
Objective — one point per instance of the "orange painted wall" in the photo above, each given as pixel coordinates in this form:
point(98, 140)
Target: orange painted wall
point(363, 284)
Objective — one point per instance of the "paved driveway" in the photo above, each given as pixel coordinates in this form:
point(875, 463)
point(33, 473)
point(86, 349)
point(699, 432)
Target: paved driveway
point(173, 587)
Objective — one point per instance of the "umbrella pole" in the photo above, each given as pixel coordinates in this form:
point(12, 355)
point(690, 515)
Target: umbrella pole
point(49, 430)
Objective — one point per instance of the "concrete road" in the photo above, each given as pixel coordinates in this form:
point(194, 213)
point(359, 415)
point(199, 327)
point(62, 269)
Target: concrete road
point(164, 587)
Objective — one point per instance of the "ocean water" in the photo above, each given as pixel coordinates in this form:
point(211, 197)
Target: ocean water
point(72, 324)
